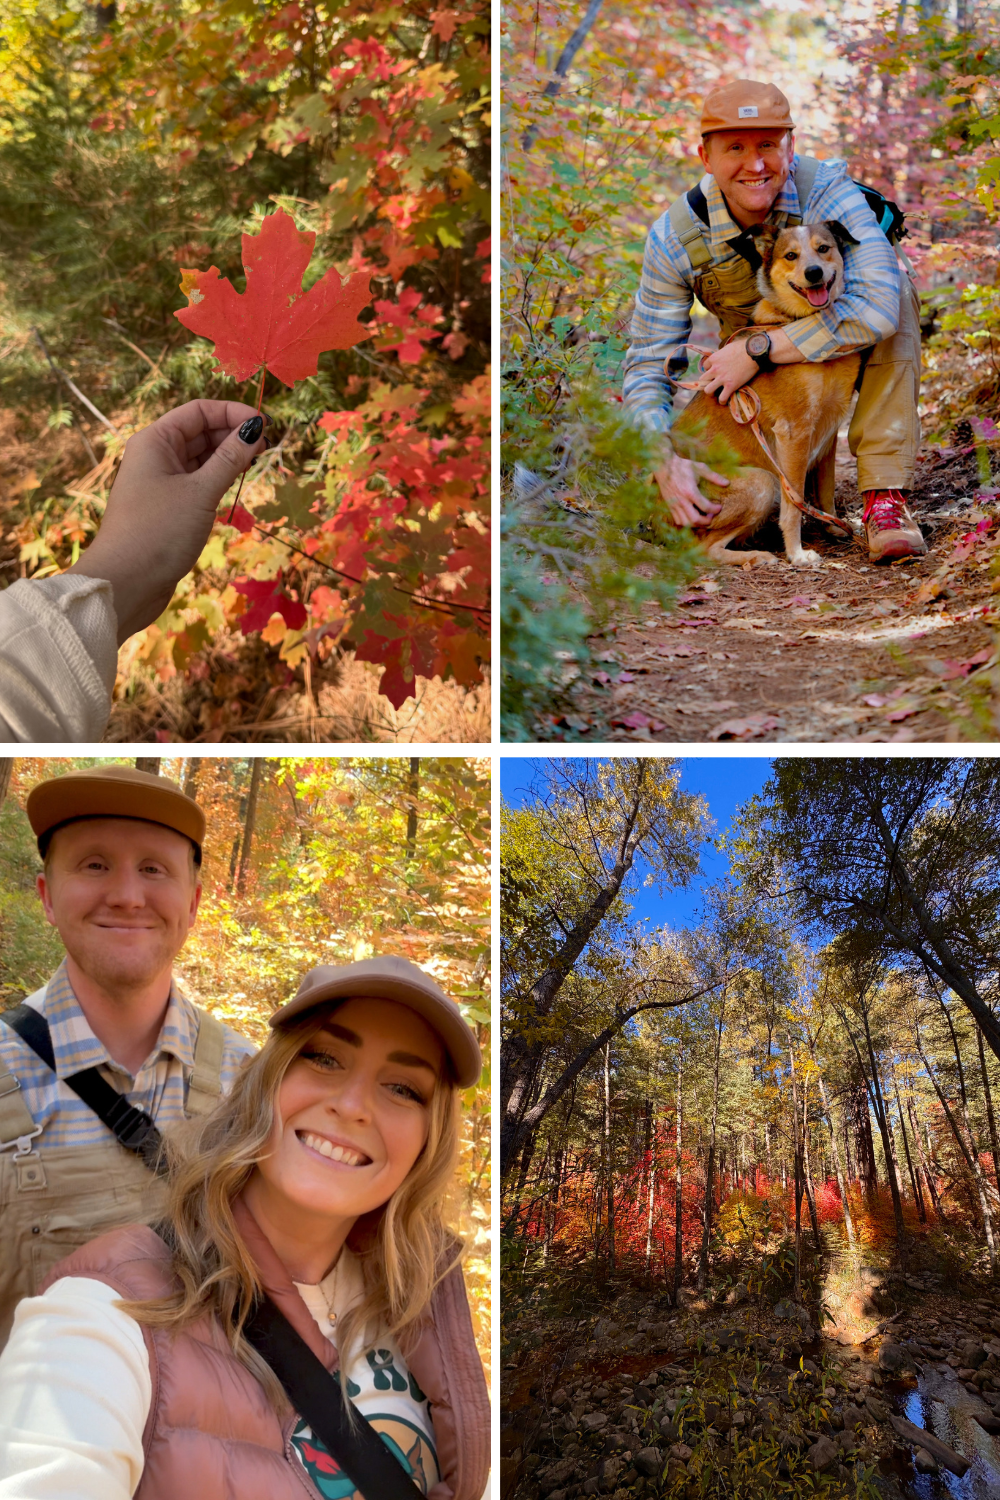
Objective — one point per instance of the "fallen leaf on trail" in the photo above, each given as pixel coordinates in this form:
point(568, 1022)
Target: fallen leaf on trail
point(692, 599)
point(600, 677)
point(929, 590)
point(901, 713)
point(626, 677)
point(753, 728)
point(672, 651)
point(607, 656)
point(273, 322)
point(639, 721)
point(954, 669)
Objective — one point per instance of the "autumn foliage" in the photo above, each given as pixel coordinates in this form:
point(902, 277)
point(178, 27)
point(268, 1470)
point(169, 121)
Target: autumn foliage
point(348, 149)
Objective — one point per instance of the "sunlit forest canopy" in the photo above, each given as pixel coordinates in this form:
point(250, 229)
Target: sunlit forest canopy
point(781, 1098)
point(308, 862)
point(846, 957)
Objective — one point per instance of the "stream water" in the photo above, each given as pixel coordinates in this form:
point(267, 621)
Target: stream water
point(942, 1406)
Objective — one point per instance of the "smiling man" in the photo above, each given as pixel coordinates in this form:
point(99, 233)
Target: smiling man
point(109, 1046)
point(702, 247)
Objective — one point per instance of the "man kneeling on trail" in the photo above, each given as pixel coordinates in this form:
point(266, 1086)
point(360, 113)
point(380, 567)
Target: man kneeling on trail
point(701, 249)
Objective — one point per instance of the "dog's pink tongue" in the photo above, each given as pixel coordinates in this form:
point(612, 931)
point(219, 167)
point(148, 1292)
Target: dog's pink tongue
point(818, 296)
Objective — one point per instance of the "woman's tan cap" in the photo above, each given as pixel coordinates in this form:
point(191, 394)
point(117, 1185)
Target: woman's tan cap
point(746, 105)
point(392, 979)
point(114, 792)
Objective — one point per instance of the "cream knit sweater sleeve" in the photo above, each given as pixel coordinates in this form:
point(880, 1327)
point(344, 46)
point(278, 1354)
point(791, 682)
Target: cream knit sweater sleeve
point(58, 658)
point(75, 1390)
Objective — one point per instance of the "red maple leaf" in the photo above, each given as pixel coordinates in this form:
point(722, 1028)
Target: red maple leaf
point(267, 598)
point(275, 323)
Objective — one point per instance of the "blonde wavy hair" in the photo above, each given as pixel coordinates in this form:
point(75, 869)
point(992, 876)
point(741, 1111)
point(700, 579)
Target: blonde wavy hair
point(211, 1159)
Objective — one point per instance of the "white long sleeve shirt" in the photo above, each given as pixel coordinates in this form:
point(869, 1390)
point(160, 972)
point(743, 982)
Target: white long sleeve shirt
point(58, 659)
point(75, 1392)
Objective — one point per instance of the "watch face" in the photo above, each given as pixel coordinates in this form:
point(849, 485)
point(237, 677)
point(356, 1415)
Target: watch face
point(757, 344)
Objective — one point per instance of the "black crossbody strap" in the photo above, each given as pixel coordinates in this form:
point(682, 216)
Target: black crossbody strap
point(318, 1397)
point(134, 1129)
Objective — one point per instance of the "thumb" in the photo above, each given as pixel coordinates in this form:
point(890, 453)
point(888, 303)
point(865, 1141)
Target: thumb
point(232, 457)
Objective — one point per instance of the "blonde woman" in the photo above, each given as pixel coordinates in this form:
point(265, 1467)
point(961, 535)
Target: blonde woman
point(307, 1209)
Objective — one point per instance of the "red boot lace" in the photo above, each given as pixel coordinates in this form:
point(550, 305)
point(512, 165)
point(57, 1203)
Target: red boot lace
point(884, 507)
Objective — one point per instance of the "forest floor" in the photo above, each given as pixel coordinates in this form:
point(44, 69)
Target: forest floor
point(844, 652)
point(638, 1399)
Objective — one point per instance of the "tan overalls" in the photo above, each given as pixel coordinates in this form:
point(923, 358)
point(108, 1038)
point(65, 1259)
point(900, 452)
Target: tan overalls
point(55, 1201)
point(885, 429)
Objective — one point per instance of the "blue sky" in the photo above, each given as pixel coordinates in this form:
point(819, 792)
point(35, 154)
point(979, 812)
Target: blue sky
point(724, 782)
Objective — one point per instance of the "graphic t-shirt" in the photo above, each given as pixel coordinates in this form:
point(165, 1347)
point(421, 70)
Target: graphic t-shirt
point(379, 1385)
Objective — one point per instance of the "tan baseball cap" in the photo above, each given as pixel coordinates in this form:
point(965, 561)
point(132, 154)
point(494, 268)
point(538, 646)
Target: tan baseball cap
point(746, 105)
point(114, 792)
point(392, 979)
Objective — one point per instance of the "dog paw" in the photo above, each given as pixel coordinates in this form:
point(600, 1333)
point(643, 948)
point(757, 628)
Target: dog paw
point(806, 559)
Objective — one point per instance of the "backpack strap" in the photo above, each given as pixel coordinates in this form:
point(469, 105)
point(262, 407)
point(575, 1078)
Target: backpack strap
point(805, 181)
point(17, 1125)
point(320, 1399)
point(133, 1128)
point(205, 1087)
point(688, 230)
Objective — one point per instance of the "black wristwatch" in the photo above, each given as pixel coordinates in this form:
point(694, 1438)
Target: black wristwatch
point(758, 346)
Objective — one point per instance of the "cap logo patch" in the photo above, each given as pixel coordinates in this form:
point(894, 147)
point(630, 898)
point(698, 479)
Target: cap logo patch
point(747, 112)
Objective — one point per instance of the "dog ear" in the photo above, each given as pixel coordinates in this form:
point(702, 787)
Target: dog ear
point(763, 236)
point(843, 236)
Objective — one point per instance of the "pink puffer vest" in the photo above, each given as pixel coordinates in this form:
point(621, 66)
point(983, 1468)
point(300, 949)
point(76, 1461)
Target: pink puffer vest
point(211, 1431)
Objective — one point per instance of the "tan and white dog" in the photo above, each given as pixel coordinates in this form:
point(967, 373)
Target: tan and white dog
point(802, 405)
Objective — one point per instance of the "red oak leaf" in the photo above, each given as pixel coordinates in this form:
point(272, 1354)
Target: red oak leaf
point(240, 518)
point(275, 323)
point(267, 598)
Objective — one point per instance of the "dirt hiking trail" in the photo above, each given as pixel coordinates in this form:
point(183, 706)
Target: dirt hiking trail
point(849, 651)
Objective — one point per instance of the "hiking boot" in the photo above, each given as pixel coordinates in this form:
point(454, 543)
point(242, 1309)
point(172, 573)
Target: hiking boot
point(891, 530)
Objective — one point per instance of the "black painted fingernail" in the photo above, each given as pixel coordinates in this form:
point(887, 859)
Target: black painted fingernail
point(252, 429)
point(268, 421)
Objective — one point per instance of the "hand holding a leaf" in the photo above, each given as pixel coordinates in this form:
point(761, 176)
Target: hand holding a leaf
point(163, 505)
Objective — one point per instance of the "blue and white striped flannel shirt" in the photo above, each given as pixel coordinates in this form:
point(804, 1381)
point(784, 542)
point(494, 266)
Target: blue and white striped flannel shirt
point(159, 1087)
point(866, 311)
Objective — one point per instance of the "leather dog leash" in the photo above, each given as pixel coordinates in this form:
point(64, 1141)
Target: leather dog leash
point(744, 406)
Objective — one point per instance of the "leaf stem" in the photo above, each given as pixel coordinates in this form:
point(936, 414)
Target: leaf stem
point(439, 604)
point(260, 398)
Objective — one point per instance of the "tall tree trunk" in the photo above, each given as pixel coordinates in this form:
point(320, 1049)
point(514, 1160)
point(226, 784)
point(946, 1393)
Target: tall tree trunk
point(249, 824)
point(652, 1194)
point(834, 1152)
point(918, 1196)
point(810, 1193)
point(562, 67)
point(6, 766)
point(988, 1096)
point(797, 1155)
point(552, 1205)
point(706, 1230)
point(678, 1183)
point(609, 1176)
point(925, 1165)
point(971, 1156)
point(412, 790)
point(519, 1059)
point(192, 767)
point(150, 763)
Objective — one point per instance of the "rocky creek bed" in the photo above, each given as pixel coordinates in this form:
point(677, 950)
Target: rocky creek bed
point(744, 1400)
